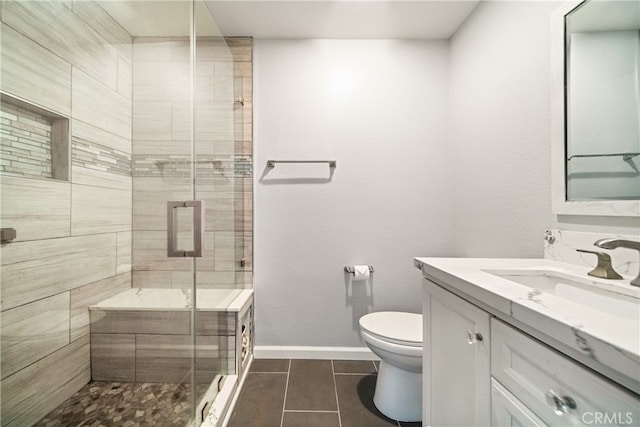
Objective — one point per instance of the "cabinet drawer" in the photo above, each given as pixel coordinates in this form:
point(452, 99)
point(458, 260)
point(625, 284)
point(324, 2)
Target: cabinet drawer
point(534, 373)
point(506, 410)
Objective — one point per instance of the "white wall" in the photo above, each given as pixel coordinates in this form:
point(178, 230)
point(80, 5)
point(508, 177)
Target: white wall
point(379, 107)
point(500, 134)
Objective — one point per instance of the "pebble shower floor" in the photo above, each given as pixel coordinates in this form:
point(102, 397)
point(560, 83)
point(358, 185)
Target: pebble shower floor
point(124, 404)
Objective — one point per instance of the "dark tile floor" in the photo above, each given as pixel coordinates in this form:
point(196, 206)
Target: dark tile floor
point(310, 393)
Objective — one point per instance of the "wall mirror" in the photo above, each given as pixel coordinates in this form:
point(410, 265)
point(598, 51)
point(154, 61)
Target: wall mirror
point(596, 108)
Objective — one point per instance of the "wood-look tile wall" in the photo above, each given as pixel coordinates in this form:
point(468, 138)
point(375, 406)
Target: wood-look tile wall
point(161, 155)
point(73, 245)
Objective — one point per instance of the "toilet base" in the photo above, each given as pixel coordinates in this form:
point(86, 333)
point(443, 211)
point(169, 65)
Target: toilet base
point(398, 393)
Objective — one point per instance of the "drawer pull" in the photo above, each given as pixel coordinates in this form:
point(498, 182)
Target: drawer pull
point(473, 337)
point(560, 404)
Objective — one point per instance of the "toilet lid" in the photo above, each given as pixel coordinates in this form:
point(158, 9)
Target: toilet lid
point(404, 328)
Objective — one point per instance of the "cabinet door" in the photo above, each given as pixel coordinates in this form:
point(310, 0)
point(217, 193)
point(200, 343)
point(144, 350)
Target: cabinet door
point(458, 364)
point(506, 410)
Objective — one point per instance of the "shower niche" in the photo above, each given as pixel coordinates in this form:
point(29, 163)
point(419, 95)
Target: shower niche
point(35, 141)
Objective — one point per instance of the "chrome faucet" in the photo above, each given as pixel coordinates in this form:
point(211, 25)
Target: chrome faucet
point(613, 243)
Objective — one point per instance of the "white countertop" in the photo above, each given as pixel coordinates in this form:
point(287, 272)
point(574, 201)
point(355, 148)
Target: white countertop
point(608, 342)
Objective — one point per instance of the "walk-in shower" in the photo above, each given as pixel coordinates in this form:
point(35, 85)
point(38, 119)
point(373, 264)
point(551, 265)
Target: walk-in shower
point(126, 214)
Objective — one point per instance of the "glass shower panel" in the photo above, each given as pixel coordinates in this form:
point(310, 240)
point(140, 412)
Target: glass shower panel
point(214, 185)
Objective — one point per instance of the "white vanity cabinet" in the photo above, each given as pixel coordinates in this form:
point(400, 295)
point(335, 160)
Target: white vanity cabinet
point(478, 370)
point(456, 386)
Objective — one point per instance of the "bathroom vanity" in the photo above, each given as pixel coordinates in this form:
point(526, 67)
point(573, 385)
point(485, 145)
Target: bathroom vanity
point(528, 342)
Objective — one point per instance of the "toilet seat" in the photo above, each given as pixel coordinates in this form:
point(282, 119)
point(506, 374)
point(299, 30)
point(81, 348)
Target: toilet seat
point(394, 327)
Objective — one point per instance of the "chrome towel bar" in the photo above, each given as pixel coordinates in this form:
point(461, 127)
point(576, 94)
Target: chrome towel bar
point(272, 163)
point(625, 156)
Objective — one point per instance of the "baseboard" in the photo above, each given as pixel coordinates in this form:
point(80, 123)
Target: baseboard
point(304, 352)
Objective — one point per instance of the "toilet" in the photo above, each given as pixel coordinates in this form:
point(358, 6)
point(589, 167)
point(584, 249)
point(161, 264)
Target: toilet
point(396, 338)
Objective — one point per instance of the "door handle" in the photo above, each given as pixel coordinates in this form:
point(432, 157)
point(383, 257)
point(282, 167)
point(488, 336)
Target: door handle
point(172, 228)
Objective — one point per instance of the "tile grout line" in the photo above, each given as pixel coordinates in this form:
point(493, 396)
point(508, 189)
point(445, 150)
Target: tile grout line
point(335, 389)
point(355, 374)
point(286, 388)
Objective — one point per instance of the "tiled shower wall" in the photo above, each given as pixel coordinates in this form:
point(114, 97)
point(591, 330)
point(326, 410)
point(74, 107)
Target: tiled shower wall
point(73, 245)
point(223, 155)
point(74, 235)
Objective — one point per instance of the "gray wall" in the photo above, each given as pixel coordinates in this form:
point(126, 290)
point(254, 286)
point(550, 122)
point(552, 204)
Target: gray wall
point(404, 186)
point(379, 107)
point(500, 131)
point(74, 236)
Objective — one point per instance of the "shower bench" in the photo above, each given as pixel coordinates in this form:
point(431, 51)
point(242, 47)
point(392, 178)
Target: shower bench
point(145, 335)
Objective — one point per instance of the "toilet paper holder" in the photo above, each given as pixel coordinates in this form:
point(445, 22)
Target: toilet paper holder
point(349, 269)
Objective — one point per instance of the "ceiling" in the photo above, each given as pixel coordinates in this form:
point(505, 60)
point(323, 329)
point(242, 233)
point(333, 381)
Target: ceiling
point(337, 19)
point(341, 19)
point(160, 18)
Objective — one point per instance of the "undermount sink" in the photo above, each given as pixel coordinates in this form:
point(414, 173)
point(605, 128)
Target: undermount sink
point(619, 299)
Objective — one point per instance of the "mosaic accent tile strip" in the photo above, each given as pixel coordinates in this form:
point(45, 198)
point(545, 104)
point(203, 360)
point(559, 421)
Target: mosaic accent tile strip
point(90, 155)
point(243, 167)
point(179, 166)
point(25, 142)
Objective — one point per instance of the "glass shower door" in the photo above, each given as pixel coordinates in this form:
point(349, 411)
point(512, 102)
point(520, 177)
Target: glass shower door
point(183, 175)
point(179, 178)
point(166, 238)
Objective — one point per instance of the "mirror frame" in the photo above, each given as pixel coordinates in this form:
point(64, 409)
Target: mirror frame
point(561, 206)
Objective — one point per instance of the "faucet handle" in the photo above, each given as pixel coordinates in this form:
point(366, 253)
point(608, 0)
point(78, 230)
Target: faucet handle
point(604, 269)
